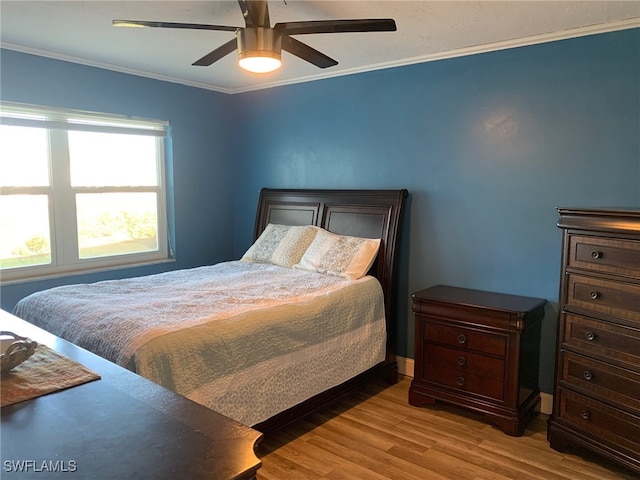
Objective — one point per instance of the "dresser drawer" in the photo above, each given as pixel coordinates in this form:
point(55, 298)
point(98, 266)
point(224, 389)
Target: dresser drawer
point(609, 255)
point(612, 298)
point(466, 338)
point(464, 371)
point(616, 342)
point(599, 420)
point(615, 384)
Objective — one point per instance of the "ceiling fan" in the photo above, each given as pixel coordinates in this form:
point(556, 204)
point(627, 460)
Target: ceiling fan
point(259, 44)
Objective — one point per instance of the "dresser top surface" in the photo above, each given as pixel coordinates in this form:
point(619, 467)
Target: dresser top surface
point(624, 220)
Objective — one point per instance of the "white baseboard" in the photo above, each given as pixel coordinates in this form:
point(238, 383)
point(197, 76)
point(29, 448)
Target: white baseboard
point(405, 367)
point(546, 403)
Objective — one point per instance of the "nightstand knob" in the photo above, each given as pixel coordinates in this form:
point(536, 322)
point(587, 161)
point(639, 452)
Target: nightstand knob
point(590, 336)
point(462, 361)
point(462, 338)
point(460, 381)
point(585, 414)
point(587, 375)
point(594, 295)
point(596, 254)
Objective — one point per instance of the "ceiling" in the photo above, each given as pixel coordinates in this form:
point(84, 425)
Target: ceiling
point(81, 32)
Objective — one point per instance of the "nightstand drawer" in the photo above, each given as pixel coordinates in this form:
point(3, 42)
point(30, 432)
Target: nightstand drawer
point(466, 338)
point(596, 418)
point(466, 372)
point(612, 341)
point(618, 299)
point(609, 255)
point(440, 358)
point(616, 384)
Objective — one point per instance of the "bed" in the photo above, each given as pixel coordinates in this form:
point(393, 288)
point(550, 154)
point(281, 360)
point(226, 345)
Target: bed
point(304, 317)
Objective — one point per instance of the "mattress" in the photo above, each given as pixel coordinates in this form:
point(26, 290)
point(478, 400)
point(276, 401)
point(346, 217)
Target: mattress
point(245, 339)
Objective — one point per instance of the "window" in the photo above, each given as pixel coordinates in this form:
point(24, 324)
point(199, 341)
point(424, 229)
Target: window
point(79, 191)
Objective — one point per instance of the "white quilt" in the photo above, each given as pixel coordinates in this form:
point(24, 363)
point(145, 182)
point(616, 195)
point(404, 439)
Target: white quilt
point(211, 332)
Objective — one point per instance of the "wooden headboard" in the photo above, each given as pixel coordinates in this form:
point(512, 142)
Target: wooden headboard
point(360, 213)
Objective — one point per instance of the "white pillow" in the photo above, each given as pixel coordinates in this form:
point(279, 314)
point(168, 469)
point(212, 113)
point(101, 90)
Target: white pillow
point(340, 255)
point(281, 245)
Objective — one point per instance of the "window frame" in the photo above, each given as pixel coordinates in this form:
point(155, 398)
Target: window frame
point(63, 229)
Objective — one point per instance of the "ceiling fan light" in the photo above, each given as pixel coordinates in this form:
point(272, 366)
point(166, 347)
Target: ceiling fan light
point(260, 62)
point(259, 49)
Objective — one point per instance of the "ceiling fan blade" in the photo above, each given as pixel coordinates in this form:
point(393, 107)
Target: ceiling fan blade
point(307, 53)
point(337, 26)
point(244, 9)
point(191, 26)
point(217, 54)
point(255, 13)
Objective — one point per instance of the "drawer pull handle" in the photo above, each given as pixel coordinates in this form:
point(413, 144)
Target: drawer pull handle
point(596, 254)
point(590, 336)
point(588, 376)
point(462, 361)
point(460, 381)
point(585, 414)
point(462, 339)
point(594, 295)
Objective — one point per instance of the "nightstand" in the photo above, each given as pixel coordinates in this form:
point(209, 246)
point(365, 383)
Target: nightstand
point(478, 350)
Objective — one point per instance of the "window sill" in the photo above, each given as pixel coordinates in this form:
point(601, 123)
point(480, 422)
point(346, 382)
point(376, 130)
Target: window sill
point(78, 273)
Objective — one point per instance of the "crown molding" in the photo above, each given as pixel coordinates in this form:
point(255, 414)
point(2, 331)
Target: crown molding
point(460, 52)
point(114, 68)
point(466, 51)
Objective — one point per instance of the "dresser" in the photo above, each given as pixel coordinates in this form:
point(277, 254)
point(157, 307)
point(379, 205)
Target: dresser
point(478, 350)
point(596, 402)
point(121, 426)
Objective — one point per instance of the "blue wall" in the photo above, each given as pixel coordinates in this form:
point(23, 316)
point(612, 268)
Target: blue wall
point(199, 169)
point(488, 145)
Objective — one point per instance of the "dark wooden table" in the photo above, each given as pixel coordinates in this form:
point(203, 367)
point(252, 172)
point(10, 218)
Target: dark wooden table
point(120, 427)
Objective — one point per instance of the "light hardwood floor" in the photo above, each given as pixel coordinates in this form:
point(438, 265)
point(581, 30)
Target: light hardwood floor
point(377, 435)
